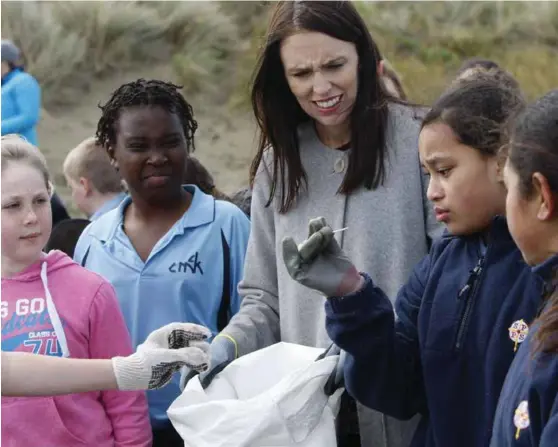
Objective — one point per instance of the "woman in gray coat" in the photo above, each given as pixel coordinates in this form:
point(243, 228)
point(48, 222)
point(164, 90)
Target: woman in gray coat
point(333, 143)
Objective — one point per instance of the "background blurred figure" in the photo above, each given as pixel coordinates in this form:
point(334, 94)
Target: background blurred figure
point(59, 211)
point(243, 199)
point(197, 174)
point(477, 67)
point(21, 108)
point(21, 95)
point(65, 235)
point(95, 184)
point(391, 80)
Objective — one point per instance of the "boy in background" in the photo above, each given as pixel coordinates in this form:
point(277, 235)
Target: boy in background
point(96, 185)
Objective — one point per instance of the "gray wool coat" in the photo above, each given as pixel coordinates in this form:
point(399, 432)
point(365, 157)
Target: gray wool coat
point(389, 231)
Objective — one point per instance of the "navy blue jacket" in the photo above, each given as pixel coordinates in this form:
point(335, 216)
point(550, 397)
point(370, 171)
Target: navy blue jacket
point(527, 412)
point(447, 354)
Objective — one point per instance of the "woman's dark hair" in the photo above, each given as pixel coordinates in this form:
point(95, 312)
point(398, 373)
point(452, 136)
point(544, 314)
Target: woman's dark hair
point(279, 115)
point(533, 147)
point(477, 112)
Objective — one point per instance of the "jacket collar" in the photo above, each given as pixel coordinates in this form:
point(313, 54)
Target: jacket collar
point(497, 231)
point(10, 75)
point(200, 212)
point(547, 269)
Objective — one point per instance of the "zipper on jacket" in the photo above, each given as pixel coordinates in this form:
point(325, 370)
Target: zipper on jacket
point(468, 293)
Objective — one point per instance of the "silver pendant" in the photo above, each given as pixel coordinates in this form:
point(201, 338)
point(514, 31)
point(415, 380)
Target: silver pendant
point(339, 165)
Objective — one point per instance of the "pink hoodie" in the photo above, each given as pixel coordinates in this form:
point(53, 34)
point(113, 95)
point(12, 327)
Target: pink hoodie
point(56, 307)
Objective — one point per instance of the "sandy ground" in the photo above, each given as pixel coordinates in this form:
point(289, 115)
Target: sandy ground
point(225, 140)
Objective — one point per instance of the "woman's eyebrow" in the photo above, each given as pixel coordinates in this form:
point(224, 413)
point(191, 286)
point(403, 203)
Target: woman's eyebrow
point(303, 66)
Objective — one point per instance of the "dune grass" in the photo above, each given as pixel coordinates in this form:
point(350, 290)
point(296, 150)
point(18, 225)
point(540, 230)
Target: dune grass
point(427, 42)
point(212, 46)
point(69, 44)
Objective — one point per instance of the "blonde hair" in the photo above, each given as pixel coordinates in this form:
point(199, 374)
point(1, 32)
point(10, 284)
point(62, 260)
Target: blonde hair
point(17, 149)
point(89, 160)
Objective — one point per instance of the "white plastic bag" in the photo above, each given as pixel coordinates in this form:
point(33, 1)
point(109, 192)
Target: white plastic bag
point(272, 397)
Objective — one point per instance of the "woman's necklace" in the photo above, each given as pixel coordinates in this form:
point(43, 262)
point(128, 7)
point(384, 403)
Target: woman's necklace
point(341, 163)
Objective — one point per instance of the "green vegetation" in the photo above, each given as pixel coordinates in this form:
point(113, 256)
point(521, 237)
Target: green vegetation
point(212, 46)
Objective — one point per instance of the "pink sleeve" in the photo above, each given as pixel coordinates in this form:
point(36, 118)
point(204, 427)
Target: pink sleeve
point(109, 337)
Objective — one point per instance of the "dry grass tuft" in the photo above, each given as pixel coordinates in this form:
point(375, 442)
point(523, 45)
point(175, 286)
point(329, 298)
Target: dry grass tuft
point(212, 46)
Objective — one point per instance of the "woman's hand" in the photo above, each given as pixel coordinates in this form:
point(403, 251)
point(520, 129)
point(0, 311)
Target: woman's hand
point(320, 264)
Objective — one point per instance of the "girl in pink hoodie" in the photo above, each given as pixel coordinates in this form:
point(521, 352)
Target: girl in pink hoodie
point(52, 306)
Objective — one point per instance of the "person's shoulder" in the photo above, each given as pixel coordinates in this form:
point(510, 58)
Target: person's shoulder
point(545, 367)
point(243, 199)
point(403, 127)
point(99, 229)
point(95, 288)
point(25, 79)
point(87, 277)
point(89, 282)
point(104, 222)
point(447, 243)
point(226, 211)
point(407, 114)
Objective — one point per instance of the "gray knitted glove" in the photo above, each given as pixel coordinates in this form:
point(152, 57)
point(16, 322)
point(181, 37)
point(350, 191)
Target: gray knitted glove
point(222, 352)
point(165, 351)
point(319, 263)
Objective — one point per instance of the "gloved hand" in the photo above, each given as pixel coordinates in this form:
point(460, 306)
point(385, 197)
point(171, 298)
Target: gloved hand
point(163, 353)
point(222, 351)
point(320, 264)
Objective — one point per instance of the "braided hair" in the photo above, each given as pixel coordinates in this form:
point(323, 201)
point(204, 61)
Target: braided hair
point(145, 93)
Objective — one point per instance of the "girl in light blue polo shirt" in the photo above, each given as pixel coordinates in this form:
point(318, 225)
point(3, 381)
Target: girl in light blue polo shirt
point(172, 252)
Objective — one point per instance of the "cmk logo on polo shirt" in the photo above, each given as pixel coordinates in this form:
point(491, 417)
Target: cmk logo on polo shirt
point(192, 265)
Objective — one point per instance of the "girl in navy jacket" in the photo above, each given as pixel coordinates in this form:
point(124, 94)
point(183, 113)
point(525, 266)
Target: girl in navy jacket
point(527, 412)
point(467, 306)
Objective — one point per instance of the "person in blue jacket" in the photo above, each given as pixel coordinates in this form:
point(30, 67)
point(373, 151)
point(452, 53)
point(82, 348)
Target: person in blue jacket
point(172, 252)
point(527, 413)
point(445, 351)
point(21, 96)
point(21, 108)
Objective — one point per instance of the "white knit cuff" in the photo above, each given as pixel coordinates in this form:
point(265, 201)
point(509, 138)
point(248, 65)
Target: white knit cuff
point(131, 373)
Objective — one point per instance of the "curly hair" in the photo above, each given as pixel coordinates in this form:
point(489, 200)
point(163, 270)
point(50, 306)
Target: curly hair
point(145, 93)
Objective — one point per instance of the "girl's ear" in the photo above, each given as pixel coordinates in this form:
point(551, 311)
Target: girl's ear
point(86, 184)
point(497, 167)
point(381, 68)
point(544, 196)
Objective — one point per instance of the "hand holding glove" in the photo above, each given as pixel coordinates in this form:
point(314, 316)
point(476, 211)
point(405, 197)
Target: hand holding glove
point(320, 264)
point(164, 352)
point(223, 350)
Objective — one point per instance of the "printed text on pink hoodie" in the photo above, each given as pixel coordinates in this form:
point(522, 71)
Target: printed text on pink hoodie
point(87, 315)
